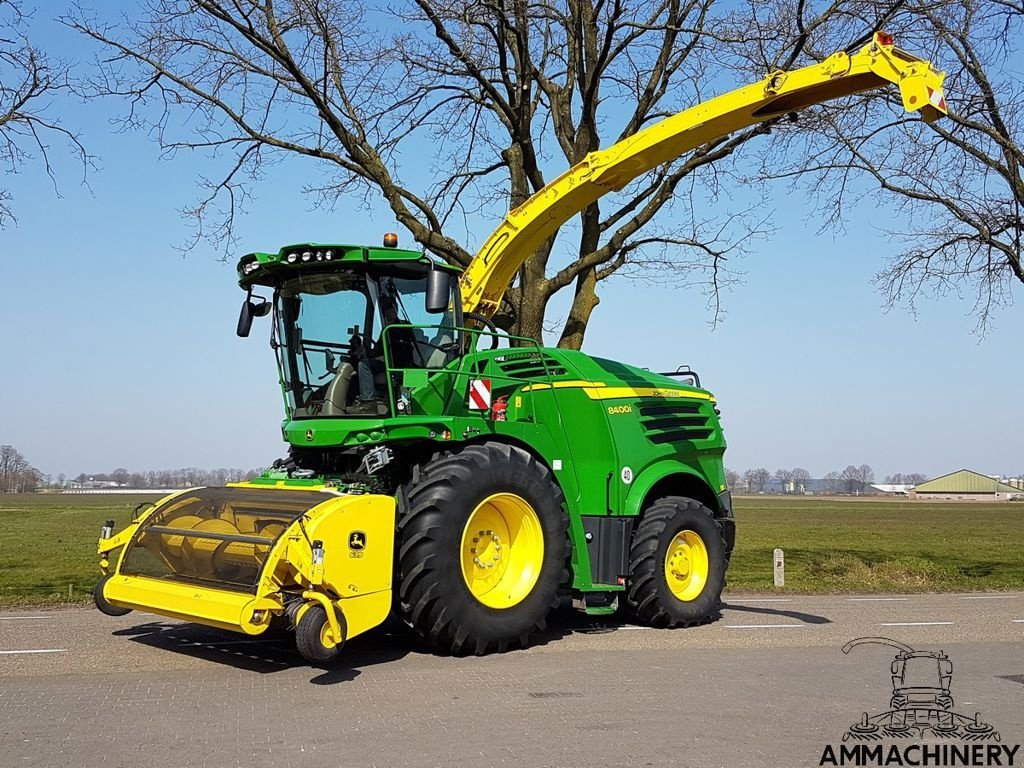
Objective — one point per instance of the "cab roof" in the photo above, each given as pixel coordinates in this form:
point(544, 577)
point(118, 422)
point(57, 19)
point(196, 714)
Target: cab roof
point(269, 268)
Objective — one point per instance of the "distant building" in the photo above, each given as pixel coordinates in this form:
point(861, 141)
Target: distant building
point(894, 489)
point(965, 485)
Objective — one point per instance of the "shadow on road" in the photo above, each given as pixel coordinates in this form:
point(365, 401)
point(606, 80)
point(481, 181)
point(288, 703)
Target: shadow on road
point(806, 618)
point(274, 650)
point(270, 652)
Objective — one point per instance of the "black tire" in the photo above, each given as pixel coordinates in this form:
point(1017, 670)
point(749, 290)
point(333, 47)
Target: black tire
point(434, 508)
point(648, 596)
point(308, 636)
point(101, 602)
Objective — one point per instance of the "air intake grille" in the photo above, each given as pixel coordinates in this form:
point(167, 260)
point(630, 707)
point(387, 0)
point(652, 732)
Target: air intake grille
point(530, 366)
point(664, 422)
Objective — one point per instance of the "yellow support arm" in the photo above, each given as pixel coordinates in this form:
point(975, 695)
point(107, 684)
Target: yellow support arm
point(526, 228)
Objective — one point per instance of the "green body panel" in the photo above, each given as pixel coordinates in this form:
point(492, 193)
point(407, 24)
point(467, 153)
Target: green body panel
point(268, 268)
point(612, 434)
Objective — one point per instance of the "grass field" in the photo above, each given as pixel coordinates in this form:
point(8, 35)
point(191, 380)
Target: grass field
point(850, 545)
point(47, 544)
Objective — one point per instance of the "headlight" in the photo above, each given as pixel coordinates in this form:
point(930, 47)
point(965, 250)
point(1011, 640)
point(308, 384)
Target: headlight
point(291, 258)
point(329, 255)
point(307, 256)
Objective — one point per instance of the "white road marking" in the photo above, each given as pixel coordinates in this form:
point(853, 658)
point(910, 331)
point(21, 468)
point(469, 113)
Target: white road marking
point(226, 642)
point(35, 650)
point(916, 624)
point(989, 597)
point(762, 626)
point(23, 618)
point(877, 599)
point(1017, 621)
point(741, 601)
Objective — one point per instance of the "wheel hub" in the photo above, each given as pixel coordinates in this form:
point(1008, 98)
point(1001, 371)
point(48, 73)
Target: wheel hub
point(486, 549)
point(502, 550)
point(686, 565)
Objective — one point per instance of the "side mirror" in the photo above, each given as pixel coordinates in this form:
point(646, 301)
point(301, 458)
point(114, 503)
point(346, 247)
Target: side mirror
point(439, 291)
point(251, 308)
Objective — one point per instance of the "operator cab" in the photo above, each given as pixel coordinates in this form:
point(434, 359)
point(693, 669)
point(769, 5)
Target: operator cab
point(341, 324)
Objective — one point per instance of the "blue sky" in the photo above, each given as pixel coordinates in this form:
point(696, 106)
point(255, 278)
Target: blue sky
point(120, 352)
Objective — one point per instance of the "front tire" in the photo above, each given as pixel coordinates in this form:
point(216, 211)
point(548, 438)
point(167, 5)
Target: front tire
point(103, 604)
point(483, 548)
point(677, 564)
point(313, 638)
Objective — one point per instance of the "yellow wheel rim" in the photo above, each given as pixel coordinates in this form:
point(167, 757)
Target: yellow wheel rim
point(502, 550)
point(686, 566)
point(326, 636)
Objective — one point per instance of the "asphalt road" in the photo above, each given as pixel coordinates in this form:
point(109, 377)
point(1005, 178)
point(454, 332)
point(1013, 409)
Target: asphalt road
point(765, 685)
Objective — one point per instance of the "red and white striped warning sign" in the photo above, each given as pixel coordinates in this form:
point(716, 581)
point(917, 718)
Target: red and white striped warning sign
point(479, 394)
point(937, 99)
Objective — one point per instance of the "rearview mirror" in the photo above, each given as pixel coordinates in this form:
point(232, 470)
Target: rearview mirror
point(251, 307)
point(439, 291)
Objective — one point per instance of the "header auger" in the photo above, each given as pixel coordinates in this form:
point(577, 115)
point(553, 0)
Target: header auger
point(467, 487)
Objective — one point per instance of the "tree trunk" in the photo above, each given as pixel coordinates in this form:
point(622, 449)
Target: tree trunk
point(584, 299)
point(584, 302)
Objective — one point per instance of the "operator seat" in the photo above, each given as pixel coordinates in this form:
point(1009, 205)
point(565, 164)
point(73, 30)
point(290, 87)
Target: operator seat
point(336, 398)
point(437, 358)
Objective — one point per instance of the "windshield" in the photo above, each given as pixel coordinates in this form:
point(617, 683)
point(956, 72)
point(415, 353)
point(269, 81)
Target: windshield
point(317, 318)
point(328, 337)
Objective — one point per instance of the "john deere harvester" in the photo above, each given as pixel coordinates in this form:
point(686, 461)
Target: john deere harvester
point(464, 479)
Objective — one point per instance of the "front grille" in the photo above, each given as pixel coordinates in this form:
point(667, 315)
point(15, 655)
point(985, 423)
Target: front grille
point(664, 422)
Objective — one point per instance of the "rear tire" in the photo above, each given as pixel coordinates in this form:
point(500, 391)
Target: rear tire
point(676, 565)
point(466, 590)
point(101, 602)
point(311, 636)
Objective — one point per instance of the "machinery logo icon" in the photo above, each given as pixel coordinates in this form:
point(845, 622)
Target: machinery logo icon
point(357, 541)
point(921, 705)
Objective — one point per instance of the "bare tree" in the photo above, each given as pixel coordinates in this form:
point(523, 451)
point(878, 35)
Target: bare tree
point(834, 481)
point(801, 477)
point(732, 479)
point(28, 78)
point(504, 95)
point(954, 188)
point(785, 477)
point(16, 474)
point(756, 479)
point(850, 478)
point(866, 474)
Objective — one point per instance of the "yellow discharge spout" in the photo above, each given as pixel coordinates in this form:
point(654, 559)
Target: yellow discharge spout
point(526, 228)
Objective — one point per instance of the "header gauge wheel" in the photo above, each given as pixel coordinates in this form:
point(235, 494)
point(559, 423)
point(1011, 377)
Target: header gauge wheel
point(314, 639)
point(677, 564)
point(103, 604)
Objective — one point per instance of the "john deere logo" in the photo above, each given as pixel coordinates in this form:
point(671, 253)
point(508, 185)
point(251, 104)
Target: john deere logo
point(309, 435)
point(357, 541)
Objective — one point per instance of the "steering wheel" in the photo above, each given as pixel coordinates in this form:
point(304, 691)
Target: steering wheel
point(485, 321)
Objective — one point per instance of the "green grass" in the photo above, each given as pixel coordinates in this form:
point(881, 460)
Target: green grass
point(48, 542)
point(852, 545)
